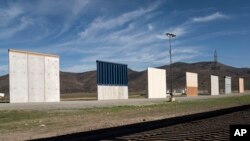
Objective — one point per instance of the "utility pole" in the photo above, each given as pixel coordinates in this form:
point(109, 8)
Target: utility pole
point(215, 56)
point(215, 62)
point(170, 36)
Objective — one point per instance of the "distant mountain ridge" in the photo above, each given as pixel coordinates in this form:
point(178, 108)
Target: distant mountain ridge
point(86, 81)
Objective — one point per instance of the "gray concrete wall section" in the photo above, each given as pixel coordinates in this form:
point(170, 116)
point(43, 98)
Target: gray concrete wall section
point(112, 92)
point(18, 77)
point(52, 83)
point(228, 85)
point(214, 85)
point(34, 77)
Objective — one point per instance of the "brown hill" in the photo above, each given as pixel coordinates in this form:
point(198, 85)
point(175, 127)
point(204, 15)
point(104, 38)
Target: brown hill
point(86, 82)
point(204, 70)
point(138, 80)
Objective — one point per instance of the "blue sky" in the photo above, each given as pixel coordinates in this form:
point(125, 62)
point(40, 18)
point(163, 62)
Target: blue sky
point(126, 31)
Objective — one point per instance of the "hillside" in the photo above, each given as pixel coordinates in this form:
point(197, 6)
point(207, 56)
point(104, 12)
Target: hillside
point(86, 82)
point(138, 80)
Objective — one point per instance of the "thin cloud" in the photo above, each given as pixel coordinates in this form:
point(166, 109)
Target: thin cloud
point(77, 8)
point(131, 44)
point(181, 30)
point(106, 24)
point(52, 7)
point(150, 27)
point(184, 28)
point(9, 32)
point(212, 17)
point(186, 50)
point(9, 14)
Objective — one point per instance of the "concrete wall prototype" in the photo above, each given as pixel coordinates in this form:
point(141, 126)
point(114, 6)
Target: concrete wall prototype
point(112, 80)
point(241, 85)
point(228, 85)
point(214, 85)
point(156, 83)
point(112, 92)
point(18, 77)
point(192, 84)
point(34, 77)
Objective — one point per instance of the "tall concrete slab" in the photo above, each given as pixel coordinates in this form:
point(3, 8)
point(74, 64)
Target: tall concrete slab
point(228, 85)
point(214, 85)
point(112, 92)
point(191, 84)
point(241, 85)
point(156, 83)
point(36, 78)
point(52, 87)
point(18, 77)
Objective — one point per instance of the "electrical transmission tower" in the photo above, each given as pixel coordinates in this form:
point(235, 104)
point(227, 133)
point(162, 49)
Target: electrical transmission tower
point(215, 56)
point(215, 66)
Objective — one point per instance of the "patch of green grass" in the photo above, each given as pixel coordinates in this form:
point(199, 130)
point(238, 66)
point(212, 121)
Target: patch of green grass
point(136, 96)
point(78, 96)
point(194, 104)
point(4, 100)
point(93, 96)
point(8, 116)
point(28, 119)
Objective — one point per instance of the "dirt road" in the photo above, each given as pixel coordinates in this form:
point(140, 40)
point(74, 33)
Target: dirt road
point(94, 103)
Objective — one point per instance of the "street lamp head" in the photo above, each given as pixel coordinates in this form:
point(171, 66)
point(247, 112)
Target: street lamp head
point(170, 35)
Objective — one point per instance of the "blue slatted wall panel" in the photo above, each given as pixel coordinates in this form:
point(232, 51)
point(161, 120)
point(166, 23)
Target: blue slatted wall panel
point(111, 73)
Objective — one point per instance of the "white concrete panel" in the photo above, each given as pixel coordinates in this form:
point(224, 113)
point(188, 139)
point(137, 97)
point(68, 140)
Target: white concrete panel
point(27, 77)
point(156, 83)
point(214, 85)
point(241, 85)
point(18, 77)
point(52, 82)
point(228, 86)
point(2, 94)
point(191, 79)
point(36, 78)
point(112, 92)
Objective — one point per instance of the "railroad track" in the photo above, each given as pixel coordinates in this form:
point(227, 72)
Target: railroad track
point(214, 128)
point(213, 125)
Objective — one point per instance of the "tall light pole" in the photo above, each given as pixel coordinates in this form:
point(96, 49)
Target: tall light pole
point(215, 62)
point(170, 36)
